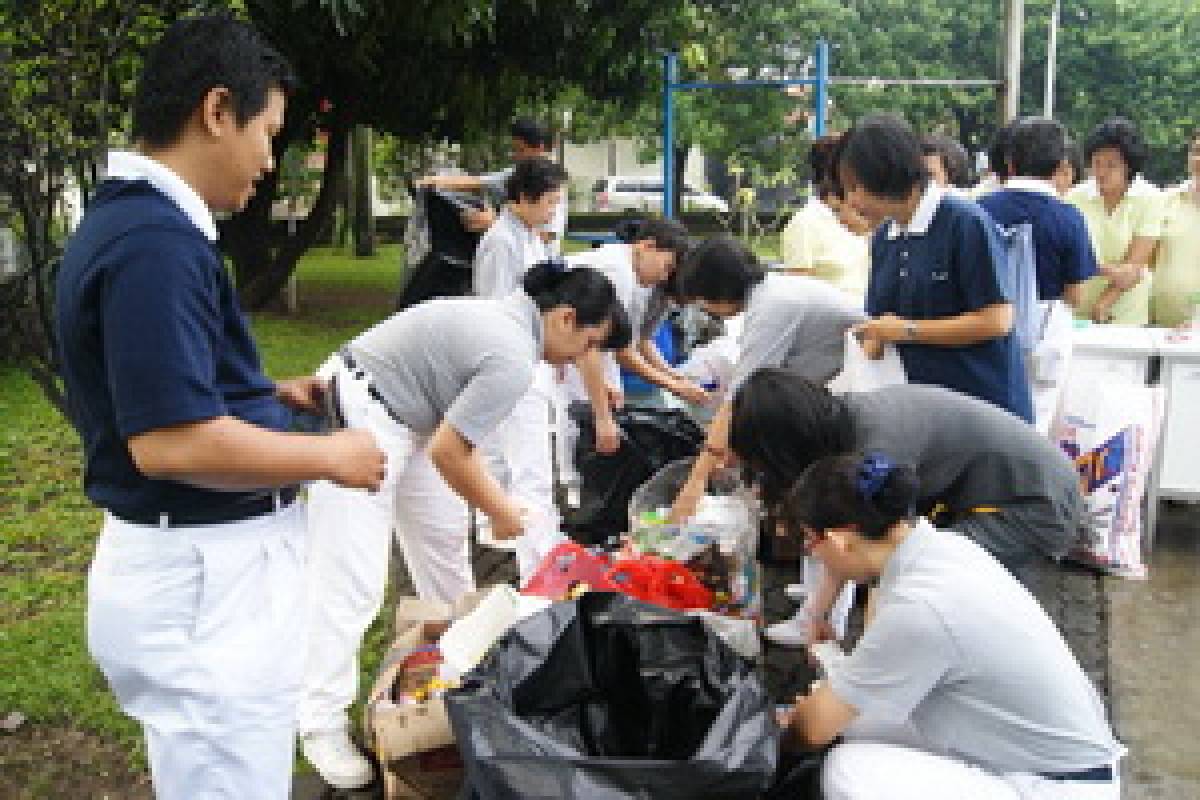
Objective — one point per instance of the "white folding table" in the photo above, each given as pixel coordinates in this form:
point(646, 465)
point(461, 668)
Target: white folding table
point(1177, 463)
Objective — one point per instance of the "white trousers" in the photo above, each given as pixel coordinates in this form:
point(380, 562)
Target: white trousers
point(883, 762)
point(200, 633)
point(523, 443)
point(350, 547)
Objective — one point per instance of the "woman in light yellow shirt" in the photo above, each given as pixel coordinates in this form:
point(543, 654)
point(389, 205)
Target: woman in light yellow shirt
point(1124, 217)
point(827, 239)
point(1177, 265)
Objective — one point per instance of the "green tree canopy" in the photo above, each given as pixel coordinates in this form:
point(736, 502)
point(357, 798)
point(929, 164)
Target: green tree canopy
point(432, 69)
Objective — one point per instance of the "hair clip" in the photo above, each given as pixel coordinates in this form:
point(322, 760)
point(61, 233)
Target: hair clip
point(873, 472)
point(557, 265)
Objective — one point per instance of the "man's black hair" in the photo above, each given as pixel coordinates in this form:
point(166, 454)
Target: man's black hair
point(666, 234)
point(720, 270)
point(1038, 147)
point(830, 494)
point(194, 56)
point(885, 156)
point(1123, 135)
point(551, 283)
point(999, 152)
point(781, 423)
point(955, 160)
point(532, 178)
point(532, 133)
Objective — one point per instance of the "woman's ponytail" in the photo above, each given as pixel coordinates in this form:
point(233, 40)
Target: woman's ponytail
point(552, 283)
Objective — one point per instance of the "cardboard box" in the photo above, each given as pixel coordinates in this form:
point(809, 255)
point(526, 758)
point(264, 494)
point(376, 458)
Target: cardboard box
point(403, 737)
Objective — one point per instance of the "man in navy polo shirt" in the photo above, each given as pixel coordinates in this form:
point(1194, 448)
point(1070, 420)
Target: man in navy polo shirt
point(196, 593)
point(1062, 248)
point(935, 288)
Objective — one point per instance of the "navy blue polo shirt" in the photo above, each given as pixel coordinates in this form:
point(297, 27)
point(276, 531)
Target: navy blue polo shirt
point(151, 335)
point(950, 269)
point(1062, 248)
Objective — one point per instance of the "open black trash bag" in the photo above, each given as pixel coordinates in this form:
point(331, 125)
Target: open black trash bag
point(605, 698)
point(438, 247)
point(651, 438)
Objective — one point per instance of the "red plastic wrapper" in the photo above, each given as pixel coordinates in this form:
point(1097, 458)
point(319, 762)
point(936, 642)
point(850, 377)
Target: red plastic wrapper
point(567, 567)
point(662, 582)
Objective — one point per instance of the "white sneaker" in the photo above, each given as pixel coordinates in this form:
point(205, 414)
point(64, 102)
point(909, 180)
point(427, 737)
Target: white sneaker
point(796, 592)
point(792, 632)
point(337, 759)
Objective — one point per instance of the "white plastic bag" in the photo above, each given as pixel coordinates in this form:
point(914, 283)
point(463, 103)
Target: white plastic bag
point(1109, 427)
point(862, 374)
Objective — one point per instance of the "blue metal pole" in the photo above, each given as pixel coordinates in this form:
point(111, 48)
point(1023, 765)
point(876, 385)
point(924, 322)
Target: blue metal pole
point(820, 96)
point(670, 76)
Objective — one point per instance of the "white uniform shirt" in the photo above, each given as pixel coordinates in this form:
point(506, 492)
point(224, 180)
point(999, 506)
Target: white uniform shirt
point(615, 262)
point(505, 253)
point(967, 655)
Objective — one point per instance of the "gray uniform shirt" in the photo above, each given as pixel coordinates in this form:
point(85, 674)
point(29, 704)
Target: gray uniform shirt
point(505, 253)
point(969, 454)
point(464, 360)
point(795, 322)
point(959, 648)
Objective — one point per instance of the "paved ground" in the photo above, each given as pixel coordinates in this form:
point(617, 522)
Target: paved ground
point(1154, 659)
point(1138, 640)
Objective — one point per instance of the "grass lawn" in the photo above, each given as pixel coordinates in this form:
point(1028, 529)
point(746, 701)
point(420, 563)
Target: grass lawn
point(74, 737)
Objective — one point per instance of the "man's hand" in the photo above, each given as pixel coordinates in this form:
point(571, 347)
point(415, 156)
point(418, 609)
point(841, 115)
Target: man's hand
point(820, 629)
point(509, 523)
point(886, 329)
point(1102, 309)
point(1127, 276)
point(686, 503)
point(872, 347)
point(690, 392)
point(355, 460)
point(479, 220)
point(303, 394)
point(616, 398)
point(608, 436)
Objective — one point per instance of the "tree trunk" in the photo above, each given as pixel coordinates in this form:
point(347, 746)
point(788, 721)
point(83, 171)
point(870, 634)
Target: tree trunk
point(364, 212)
point(264, 256)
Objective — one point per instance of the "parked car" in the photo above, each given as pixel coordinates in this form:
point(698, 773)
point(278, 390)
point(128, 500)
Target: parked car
point(633, 193)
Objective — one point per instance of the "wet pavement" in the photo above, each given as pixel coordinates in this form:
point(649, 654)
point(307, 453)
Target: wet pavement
point(1154, 663)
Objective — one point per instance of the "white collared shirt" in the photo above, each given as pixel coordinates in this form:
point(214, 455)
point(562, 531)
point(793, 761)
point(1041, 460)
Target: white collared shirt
point(922, 217)
point(130, 166)
point(1039, 185)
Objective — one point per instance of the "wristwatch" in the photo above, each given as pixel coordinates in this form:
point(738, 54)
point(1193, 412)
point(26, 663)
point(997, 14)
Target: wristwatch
point(910, 329)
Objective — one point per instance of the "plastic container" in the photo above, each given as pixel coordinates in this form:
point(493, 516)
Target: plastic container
point(719, 543)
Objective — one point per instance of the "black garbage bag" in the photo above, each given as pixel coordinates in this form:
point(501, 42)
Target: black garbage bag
point(799, 776)
point(605, 698)
point(439, 248)
point(651, 439)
